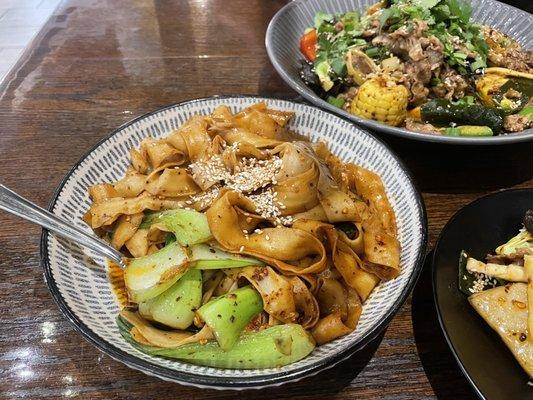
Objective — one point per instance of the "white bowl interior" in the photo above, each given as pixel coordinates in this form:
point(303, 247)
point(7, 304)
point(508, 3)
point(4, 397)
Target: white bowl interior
point(84, 286)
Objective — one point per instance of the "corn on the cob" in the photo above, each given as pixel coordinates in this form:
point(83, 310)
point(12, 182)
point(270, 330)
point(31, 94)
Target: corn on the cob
point(382, 99)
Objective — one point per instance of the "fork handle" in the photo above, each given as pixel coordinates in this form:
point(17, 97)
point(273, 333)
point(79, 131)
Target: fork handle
point(23, 208)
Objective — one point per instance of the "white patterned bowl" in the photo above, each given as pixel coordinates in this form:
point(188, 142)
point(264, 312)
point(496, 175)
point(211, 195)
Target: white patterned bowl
point(287, 26)
point(81, 288)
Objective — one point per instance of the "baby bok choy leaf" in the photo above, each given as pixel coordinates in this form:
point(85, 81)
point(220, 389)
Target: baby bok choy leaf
point(189, 226)
point(270, 348)
point(228, 315)
point(149, 276)
point(175, 307)
point(204, 256)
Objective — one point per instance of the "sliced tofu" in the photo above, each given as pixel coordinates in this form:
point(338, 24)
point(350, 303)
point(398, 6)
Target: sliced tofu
point(504, 308)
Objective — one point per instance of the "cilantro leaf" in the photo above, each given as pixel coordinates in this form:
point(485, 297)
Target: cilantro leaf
point(321, 17)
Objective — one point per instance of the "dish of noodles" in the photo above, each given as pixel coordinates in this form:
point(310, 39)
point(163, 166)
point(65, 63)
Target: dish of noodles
point(92, 293)
point(246, 245)
point(423, 65)
point(501, 291)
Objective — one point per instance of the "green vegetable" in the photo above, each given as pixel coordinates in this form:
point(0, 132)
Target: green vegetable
point(527, 112)
point(443, 112)
point(204, 256)
point(334, 40)
point(189, 226)
point(322, 71)
point(175, 307)
point(228, 315)
point(447, 20)
point(147, 277)
point(270, 348)
point(469, 130)
point(510, 106)
point(524, 240)
point(336, 101)
point(348, 228)
point(320, 18)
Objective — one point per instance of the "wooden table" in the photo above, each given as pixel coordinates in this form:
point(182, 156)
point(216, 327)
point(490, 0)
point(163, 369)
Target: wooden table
point(98, 63)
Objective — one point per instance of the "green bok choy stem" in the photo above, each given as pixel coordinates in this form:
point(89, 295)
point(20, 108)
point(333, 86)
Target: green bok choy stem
point(189, 226)
point(228, 315)
point(175, 307)
point(270, 348)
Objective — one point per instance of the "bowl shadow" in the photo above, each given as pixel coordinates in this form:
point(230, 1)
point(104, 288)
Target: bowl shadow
point(440, 366)
point(444, 168)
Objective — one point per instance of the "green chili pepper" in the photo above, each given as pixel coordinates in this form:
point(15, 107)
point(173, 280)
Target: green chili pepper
point(270, 348)
point(229, 314)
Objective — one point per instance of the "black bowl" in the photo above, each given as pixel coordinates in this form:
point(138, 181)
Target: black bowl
point(479, 228)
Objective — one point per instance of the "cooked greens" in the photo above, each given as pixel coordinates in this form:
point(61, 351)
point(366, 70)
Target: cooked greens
point(270, 348)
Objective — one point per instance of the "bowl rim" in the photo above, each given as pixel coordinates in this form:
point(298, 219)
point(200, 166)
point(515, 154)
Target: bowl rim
point(374, 125)
point(438, 244)
point(213, 382)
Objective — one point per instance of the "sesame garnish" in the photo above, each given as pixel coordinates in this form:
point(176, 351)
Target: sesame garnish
point(481, 282)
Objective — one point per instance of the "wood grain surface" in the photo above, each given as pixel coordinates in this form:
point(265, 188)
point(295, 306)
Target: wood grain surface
point(98, 63)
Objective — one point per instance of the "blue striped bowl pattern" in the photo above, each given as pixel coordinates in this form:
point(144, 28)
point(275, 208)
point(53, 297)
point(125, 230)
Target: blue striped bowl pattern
point(287, 26)
point(80, 286)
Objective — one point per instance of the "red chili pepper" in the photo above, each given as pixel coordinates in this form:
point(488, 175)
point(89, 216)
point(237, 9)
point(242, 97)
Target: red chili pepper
point(308, 45)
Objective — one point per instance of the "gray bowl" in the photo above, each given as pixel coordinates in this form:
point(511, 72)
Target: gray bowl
point(285, 29)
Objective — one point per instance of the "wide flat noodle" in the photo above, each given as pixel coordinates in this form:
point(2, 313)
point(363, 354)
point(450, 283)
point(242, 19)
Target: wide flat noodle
point(145, 333)
point(276, 292)
point(345, 260)
point(340, 309)
point(382, 248)
point(106, 212)
point(159, 152)
point(192, 139)
point(505, 309)
point(126, 227)
point(290, 250)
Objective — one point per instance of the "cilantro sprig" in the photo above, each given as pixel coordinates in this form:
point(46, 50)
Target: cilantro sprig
point(336, 35)
point(449, 21)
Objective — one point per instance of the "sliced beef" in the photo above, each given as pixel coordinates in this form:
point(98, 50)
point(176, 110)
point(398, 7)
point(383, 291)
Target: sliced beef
point(452, 85)
point(516, 123)
point(422, 56)
point(516, 258)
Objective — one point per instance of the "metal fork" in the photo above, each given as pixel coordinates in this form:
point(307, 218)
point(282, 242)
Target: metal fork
point(23, 208)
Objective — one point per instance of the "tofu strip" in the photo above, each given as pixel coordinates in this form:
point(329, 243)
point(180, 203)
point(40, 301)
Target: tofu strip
point(528, 266)
point(511, 273)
